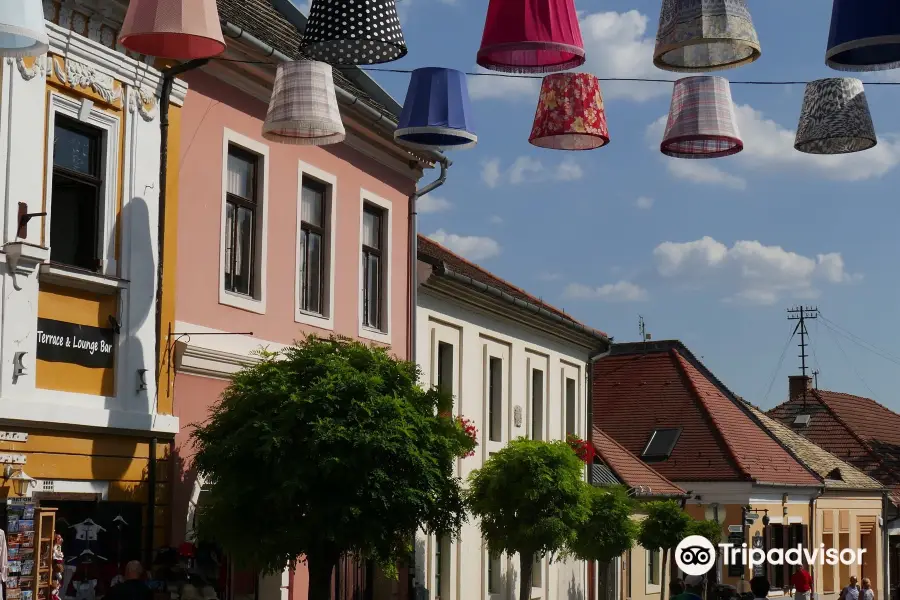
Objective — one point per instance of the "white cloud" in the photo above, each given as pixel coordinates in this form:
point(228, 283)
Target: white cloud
point(472, 247)
point(525, 169)
point(496, 220)
point(621, 291)
point(644, 202)
point(750, 271)
point(432, 204)
point(549, 276)
point(768, 146)
point(503, 86)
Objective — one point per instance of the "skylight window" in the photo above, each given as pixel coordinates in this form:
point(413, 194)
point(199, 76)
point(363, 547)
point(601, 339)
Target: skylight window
point(801, 420)
point(660, 445)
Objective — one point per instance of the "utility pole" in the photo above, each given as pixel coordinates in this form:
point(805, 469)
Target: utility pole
point(642, 329)
point(801, 314)
point(816, 378)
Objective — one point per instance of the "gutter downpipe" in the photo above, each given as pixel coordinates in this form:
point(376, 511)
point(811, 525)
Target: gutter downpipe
point(812, 536)
point(885, 546)
point(592, 566)
point(413, 279)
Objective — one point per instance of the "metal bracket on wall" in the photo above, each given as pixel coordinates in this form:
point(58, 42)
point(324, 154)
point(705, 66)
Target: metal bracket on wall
point(18, 366)
point(142, 380)
point(172, 341)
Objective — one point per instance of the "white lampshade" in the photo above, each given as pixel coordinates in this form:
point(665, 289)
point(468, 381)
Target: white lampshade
point(22, 30)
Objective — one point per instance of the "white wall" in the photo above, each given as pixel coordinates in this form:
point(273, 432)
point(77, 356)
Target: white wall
point(475, 338)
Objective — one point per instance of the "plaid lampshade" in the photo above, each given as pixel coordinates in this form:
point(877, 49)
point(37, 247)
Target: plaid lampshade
point(835, 118)
point(22, 30)
point(531, 36)
point(864, 36)
point(353, 32)
point(303, 109)
point(699, 36)
point(701, 120)
point(436, 113)
point(570, 113)
point(173, 29)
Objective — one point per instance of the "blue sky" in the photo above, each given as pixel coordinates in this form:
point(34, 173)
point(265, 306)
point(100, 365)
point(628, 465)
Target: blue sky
point(709, 252)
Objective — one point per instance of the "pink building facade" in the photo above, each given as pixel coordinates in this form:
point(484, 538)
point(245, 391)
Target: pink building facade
point(276, 242)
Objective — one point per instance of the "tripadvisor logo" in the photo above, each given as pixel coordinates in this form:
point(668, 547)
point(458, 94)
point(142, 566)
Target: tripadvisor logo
point(695, 555)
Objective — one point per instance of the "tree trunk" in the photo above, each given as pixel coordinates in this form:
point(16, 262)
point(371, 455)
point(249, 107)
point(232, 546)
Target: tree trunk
point(526, 560)
point(320, 567)
point(664, 588)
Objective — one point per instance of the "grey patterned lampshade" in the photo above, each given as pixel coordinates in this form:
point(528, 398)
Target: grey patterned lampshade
point(353, 32)
point(303, 109)
point(835, 118)
point(700, 36)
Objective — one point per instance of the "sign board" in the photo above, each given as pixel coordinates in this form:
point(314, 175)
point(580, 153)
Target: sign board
point(13, 436)
point(58, 341)
point(757, 542)
point(736, 538)
point(12, 459)
point(735, 529)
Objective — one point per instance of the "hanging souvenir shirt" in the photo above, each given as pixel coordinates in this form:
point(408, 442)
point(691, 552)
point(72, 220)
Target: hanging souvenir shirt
point(84, 590)
point(87, 530)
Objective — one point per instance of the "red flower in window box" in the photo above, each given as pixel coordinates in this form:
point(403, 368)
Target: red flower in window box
point(582, 448)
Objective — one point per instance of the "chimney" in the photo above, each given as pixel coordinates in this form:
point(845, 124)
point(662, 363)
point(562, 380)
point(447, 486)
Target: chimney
point(797, 384)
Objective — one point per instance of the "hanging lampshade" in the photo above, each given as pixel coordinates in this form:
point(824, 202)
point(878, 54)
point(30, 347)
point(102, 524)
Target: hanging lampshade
point(864, 36)
point(173, 29)
point(436, 113)
point(698, 37)
point(22, 30)
point(835, 118)
point(570, 114)
point(531, 36)
point(303, 109)
point(701, 120)
point(353, 32)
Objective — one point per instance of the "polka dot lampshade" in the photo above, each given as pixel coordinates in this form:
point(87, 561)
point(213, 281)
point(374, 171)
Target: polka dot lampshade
point(303, 109)
point(22, 30)
point(436, 113)
point(835, 118)
point(353, 32)
point(531, 36)
point(701, 120)
point(699, 36)
point(570, 113)
point(173, 29)
point(864, 36)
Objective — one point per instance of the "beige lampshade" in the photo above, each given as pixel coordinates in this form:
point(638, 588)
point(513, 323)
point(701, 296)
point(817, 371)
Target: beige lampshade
point(303, 109)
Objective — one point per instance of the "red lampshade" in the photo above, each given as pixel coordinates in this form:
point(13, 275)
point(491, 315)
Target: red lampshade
point(570, 114)
point(531, 36)
point(174, 29)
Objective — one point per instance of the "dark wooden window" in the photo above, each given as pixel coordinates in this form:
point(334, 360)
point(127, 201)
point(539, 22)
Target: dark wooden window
point(495, 399)
point(445, 368)
point(571, 404)
point(76, 203)
point(241, 206)
point(373, 267)
point(312, 247)
point(537, 404)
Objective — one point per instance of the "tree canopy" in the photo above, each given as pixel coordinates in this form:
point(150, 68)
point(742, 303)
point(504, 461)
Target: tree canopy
point(336, 443)
point(666, 525)
point(530, 498)
point(609, 530)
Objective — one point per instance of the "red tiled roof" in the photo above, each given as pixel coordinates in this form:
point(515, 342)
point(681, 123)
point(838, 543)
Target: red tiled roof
point(634, 472)
point(643, 387)
point(436, 252)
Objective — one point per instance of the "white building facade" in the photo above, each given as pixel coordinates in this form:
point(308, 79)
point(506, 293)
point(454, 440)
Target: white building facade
point(516, 367)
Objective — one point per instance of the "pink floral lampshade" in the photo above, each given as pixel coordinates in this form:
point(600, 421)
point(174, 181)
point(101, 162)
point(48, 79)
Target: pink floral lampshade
point(570, 113)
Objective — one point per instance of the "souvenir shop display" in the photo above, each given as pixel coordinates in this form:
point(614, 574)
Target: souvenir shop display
point(44, 525)
point(20, 549)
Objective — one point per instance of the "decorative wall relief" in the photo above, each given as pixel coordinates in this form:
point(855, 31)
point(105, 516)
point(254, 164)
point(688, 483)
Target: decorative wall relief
point(38, 67)
point(79, 75)
point(517, 416)
point(143, 102)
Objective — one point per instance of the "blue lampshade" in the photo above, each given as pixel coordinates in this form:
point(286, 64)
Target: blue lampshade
point(22, 30)
point(436, 114)
point(865, 35)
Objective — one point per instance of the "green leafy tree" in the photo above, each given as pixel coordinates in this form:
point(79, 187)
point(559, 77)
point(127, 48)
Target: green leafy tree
point(712, 531)
point(609, 531)
point(340, 446)
point(530, 498)
point(666, 525)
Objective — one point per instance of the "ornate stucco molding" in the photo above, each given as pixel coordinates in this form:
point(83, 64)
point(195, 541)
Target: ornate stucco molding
point(79, 75)
point(142, 102)
point(38, 67)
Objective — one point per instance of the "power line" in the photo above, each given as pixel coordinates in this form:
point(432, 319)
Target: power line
point(778, 366)
point(865, 345)
point(852, 367)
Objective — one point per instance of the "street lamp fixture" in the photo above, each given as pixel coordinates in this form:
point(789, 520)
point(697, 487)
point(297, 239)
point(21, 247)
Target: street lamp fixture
point(19, 479)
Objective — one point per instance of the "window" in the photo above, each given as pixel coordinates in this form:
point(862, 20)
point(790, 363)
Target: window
point(495, 399)
point(438, 566)
point(653, 563)
point(312, 247)
point(571, 404)
point(372, 266)
point(76, 194)
point(240, 221)
point(494, 573)
point(660, 445)
point(445, 368)
point(537, 404)
point(537, 572)
point(628, 574)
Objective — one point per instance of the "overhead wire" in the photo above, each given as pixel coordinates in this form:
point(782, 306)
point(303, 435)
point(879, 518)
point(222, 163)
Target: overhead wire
point(850, 363)
point(778, 366)
point(865, 345)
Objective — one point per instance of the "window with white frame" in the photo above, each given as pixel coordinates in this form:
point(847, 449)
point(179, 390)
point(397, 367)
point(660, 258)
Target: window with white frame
point(537, 404)
point(374, 257)
point(82, 170)
point(571, 406)
point(495, 399)
point(537, 572)
point(312, 259)
point(441, 567)
point(243, 234)
point(495, 572)
point(445, 368)
point(653, 567)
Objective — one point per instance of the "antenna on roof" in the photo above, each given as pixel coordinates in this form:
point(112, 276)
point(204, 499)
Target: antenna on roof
point(800, 314)
point(642, 329)
point(816, 378)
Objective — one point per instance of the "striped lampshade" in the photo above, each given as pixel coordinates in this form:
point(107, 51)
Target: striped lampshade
point(303, 109)
point(835, 118)
point(701, 120)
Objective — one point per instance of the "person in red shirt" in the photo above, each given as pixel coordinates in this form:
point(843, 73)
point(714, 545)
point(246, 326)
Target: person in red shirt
point(801, 580)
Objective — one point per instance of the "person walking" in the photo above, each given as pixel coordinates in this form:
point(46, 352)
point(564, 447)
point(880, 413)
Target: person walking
point(760, 587)
point(802, 582)
point(867, 592)
point(851, 592)
point(133, 588)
